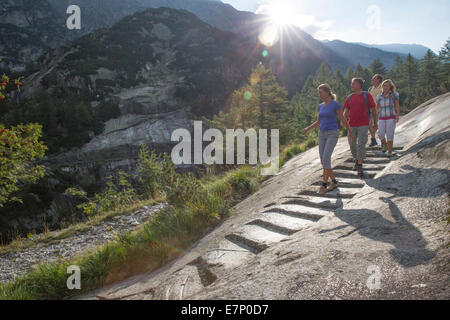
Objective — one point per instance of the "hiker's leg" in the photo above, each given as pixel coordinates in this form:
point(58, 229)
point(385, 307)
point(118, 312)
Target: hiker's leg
point(325, 175)
point(373, 140)
point(382, 134)
point(363, 136)
point(322, 141)
point(382, 130)
point(331, 141)
point(390, 130)
point(354, 142)
point(390, 146)
point(372, 133)
point(331, 175)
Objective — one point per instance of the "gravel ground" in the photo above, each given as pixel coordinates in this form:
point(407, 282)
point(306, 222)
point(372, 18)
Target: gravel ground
point(14, 264)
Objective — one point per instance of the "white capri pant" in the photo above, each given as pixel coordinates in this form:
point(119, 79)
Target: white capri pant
point(386, 128)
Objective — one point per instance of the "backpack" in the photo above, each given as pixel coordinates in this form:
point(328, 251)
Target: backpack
point(365, 99)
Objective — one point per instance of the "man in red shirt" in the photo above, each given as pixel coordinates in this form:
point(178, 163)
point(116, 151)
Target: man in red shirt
point(357, 106)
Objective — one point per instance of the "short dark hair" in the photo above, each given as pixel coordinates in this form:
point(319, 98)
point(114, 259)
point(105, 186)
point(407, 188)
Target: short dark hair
point(360, 80)
point(379, 77)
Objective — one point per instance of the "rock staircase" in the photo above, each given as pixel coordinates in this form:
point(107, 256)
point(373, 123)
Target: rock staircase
point(276, 223)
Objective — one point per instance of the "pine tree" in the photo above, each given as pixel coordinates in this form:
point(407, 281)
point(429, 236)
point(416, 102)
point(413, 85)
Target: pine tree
point(428, 82)
point(444, 74)
point(340, 87)
point(361, 72)
point(411, 72)
point(275, 111)
point(323, 74)
point(377, 67)
point(261, 104)
point(348, 76)
point(243, 113)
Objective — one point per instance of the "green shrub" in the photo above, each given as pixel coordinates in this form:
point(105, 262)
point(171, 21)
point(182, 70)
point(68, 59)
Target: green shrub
point(115, 197)
point(156, 173)
point(311, 143)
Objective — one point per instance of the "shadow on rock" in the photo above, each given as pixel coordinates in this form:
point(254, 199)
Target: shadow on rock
point(417, 183)
point(428, 142)
point(410, 246)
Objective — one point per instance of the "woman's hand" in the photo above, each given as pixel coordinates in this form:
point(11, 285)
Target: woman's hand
point(304, 131)
point(396, 119)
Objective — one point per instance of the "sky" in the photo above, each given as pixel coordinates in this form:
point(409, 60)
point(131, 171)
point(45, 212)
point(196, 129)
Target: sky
point(374, 22)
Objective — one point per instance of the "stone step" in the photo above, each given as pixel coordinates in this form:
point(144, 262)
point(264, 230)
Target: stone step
point(270, 226)
point(367, 167)
point(353, 174)
point(299, 212)
point(345, 183)
point(183, 283)
point(376, 155)
point(379, 148)
point(230, 254)
point(334, 194)
point(290, 222)
point(246, 243)
point(370, 161)
point(260, 234)
point(321, 204)
point(206, 276)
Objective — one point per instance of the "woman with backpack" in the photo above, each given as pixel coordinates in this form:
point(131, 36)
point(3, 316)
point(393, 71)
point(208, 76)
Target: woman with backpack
point(388, 108)
point(329, 110)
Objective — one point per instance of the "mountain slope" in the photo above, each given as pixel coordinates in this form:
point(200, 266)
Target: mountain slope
point(417, 51)
point(361, 54)
point(151, 49)
point(298, 57)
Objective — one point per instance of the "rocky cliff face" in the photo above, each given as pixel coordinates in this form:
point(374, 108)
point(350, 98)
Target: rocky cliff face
point(162, 67)
point(28, 28)
point(159, 60)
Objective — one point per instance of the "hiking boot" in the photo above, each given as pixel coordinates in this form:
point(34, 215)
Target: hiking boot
point(385, 148)
point(355, 165)
point(322, 189)
point(373, 143)
point(332, 186)
point(360, 171)
point(390, 154)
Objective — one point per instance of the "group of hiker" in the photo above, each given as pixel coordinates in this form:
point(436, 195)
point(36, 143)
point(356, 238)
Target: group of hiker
point(364, 112)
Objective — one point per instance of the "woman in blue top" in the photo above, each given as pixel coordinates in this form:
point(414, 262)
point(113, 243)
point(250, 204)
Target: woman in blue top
point(329, 110)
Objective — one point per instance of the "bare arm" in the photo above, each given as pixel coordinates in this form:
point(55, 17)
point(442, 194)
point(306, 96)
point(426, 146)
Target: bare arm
point(375, 119)
point(345, 115)
point(314, 125)
point(344, 122)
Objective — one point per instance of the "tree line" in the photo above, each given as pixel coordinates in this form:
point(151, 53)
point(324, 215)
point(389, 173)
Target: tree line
point(263, 102)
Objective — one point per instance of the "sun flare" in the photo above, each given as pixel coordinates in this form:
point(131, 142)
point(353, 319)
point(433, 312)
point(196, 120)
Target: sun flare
point(281, 14)
point(279, 17)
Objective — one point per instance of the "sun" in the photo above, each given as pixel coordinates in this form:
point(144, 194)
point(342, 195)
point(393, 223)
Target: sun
point(280, 14)
point(279, 17)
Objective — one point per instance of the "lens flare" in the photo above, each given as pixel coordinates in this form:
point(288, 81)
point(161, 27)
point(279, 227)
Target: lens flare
point(269, 36)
